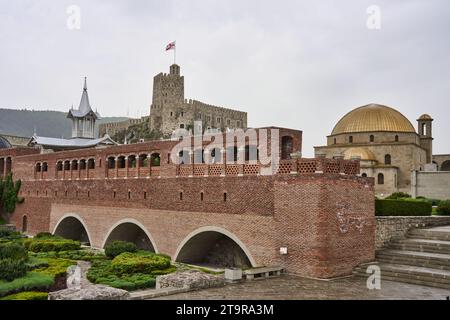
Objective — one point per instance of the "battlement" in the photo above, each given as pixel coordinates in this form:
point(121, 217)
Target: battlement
point(193, 102)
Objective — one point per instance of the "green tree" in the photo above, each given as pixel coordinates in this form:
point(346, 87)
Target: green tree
point(9, 193)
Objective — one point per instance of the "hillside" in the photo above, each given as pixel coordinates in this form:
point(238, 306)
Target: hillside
point(47, 123)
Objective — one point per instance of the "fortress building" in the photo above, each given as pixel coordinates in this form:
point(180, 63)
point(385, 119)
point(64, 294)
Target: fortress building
point(170, 110)
point(390, 150)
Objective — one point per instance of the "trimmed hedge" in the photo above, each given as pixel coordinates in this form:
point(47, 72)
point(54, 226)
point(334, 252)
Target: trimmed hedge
point(27, 295)
point(46, 245)
point(56, 267)
point(128, 263)
point(82, 254)
point(30, 282)
point(444, 208)
point(115, 248)
point(101, 272)
point(398, 195)
point(403, 207)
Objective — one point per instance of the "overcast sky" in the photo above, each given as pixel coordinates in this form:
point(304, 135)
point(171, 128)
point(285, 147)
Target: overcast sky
point(297, 64)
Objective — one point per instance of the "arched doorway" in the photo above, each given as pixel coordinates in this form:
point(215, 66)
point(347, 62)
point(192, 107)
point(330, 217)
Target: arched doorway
point(445, 166)
point(214, 247)
point(131, 231)
point(72, 227)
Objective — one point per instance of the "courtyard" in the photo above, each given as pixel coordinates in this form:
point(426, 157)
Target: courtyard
point(290, 287)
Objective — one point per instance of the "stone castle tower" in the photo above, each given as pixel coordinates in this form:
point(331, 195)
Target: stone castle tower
point(170, 110)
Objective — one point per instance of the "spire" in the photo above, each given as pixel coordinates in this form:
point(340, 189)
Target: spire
point(85, 106)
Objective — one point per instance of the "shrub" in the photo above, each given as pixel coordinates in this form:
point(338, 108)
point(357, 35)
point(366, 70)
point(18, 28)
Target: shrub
point(86, 255)
point(404, 207)
point(101, 273)
point(41, 235)
point(56, 267)
point(13, 251)
point(27, 295)
point(444, 208)
point(46, 245)
point(11, 269)
point(9, 234)
point(115, 248)
point(128, 263)
point(30, 282)
point(33, 263)
point(398, 195)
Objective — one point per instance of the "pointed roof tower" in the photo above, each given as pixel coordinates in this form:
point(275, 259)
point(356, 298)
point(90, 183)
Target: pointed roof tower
point(85, 107)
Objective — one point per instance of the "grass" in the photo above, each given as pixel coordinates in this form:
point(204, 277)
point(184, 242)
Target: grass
point(31, 281)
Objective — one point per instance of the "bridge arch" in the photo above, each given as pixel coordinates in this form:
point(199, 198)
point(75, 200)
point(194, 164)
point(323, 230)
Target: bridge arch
point(131, 230)
point(72, 226)
point(214, 246)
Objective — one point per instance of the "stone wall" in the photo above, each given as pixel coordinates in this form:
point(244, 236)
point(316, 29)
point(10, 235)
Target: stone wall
point(431, 184)
point(391, 228)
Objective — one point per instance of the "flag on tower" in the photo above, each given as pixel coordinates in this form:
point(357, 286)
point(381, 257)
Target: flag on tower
point(170, 46)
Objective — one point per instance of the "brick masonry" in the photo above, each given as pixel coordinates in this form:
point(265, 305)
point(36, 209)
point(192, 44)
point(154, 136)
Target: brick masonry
point(320, 209)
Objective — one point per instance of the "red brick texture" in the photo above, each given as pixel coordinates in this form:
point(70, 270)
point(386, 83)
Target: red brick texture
point(326, 221)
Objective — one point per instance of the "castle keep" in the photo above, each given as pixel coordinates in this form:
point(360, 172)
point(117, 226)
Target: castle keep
point(170, 110)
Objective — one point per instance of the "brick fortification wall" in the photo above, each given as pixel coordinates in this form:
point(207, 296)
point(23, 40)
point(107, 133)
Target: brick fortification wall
point(392, 228)
point(325, 220)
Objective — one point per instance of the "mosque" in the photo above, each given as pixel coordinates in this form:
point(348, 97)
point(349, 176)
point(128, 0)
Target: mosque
point(389, 149)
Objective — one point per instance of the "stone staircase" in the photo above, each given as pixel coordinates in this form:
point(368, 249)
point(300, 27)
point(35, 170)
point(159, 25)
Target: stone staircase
point(422, 258)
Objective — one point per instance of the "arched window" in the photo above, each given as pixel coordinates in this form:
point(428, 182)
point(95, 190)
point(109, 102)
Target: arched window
point(155, 160)
point(387, 159)
point(350, 139)
point(372, 138)
point(82, 164)
point(132, 161)
point(143, 160)
point(38, 167)
point(364, 175)
point(396, 138)
point(67, 165)
point(380, 178)
point(121, 162)
point(24, 224)
point(334, 141)
point(75, 165)
point(91, 164)
point(59, 166)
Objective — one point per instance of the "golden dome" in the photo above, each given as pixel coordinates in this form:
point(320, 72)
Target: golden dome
point(373, 117)
point(362, 153)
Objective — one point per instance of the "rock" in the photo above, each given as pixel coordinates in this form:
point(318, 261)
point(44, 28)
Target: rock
point(191, 279)
point(93, 292)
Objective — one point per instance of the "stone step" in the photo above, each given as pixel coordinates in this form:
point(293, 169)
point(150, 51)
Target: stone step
point(415, 254)
point(388, 276)
point(431, 234)
point(422, 245)
point(411, 274)
point(415, 258)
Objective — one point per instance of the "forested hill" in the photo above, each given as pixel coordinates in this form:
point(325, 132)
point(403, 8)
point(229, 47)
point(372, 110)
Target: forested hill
point(47, 123)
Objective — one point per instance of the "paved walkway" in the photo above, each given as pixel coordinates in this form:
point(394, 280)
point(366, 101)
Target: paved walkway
point(292, 287)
